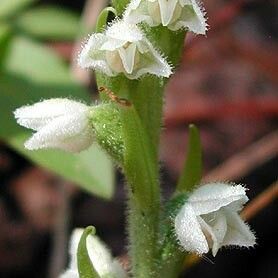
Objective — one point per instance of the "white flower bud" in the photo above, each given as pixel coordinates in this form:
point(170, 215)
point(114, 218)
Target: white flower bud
point(60, 123)
point(100, 257)
point(123, 48)
point(209, 219)
point(175, 14)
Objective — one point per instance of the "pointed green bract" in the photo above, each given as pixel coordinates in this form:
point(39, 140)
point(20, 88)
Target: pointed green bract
point(85, 266)
point(103, 17)
point(192, 171)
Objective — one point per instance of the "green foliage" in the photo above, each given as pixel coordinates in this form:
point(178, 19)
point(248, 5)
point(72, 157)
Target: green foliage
point(49, 22)
point(192, 171)
point(5, 37)
point(85, 266)
point(32, 72)
point(11, 7)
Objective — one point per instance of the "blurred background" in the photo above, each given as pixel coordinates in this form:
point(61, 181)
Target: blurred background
point(226, 85)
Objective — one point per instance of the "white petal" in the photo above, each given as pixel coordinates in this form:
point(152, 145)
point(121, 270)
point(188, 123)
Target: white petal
point(70, 133)
point(91, 55)
point(192, 18)
point(189, 232)
point(167, 8)
point(137, 12)
point(211, 197)
point(238, 232)
point(214, 225)
point(151, 62)
point(41, 113)
point(128, 57)
point(123, 31)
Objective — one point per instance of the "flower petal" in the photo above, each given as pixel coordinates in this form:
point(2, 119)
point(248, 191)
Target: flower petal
point(214, 226)
point(188, 231)
point(167, 8)
point(41, 113)
point(211, 197)
point(128, 57)
point(123, 31)
point(70, 133)
point(238, 232)
point(192, 18)
point(91, 56)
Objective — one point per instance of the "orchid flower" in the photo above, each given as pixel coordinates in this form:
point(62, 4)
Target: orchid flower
point(123, 48)
point(176, 14)
point(209, 219)
point(100, 257)
point(59, 123)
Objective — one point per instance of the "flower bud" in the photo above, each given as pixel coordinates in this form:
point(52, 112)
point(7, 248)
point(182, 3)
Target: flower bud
point(59, 123)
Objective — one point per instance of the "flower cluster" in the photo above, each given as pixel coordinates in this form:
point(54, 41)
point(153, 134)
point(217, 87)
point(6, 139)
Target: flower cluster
point(121, 49)
point(209, 219)
point(124, 48)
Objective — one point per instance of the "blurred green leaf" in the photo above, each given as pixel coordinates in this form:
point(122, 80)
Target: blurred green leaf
point(32, 73)
point(192, 170)
point(5, 36)
point(49, 22)
point(10, 7)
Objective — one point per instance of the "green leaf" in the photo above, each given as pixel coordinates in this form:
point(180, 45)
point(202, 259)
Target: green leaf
point(102, 18)
point(85, 266)
point(49, 22)
point(191, 174)
point(32, 73)
point(5, 36)
point(11, 7)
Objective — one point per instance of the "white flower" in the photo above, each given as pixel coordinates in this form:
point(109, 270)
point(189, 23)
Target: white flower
point(209, 219)
point(100, 257)
point(123, 48)
point(60, 123)
point(176, 14)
